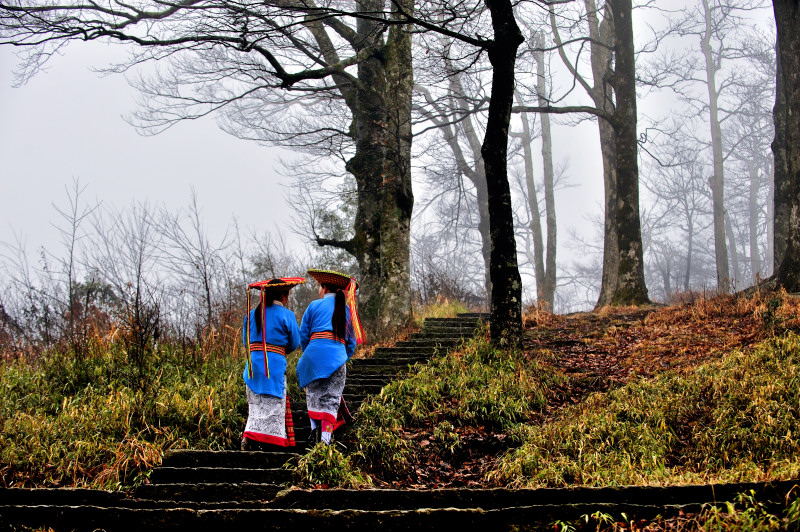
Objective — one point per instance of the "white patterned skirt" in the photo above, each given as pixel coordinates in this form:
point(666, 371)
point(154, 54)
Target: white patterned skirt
point(324, 399)
point(269, 419)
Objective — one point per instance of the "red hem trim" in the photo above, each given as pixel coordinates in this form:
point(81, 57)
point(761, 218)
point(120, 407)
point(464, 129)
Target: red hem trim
point(266, 438)
point(324, 416)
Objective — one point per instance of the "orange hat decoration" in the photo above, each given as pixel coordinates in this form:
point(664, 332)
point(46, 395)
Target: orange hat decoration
point(349, 285)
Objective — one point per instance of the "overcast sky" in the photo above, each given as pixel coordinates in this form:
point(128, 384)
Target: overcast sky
point(68, 123)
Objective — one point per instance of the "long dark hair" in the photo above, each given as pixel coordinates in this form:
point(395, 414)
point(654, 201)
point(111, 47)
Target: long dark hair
point(339, 318)
point(270, 295)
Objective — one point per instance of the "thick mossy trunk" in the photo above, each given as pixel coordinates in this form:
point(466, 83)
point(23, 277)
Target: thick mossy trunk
point(781, 196)
point(786, 147)
point(506, 308)
point(630, 288)
point(381, 107)
point(368, 167)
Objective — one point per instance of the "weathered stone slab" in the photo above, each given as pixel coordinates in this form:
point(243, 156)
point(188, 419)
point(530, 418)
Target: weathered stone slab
point(396, 357)
point(194, 475)
point(505, 498)
point(217, 492)
point(227, 459)
point(61, 496)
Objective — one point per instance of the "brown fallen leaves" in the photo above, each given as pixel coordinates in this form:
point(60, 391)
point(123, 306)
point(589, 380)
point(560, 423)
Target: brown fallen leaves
point(600, 350)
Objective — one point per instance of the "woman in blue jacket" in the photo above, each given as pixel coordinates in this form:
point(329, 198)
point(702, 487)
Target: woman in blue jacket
point(273, 333)
point(328, 336)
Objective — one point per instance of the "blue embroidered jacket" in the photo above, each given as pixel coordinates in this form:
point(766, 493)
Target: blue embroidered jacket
point(322, 356)
point(280, 329)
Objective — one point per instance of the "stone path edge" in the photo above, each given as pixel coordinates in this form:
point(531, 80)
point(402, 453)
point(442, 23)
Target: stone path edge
point(375, 499)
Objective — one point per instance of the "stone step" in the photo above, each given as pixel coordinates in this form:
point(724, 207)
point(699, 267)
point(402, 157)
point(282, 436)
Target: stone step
point(484, 316)
point(216, 475)
point(401, 359)
point(388, 369)
point(225, 459)
point(344, 499)
point(455, 326)
point(441, 343)
point(540, 517)
point(436, 335)
point(467, 320)
point(368, 379)
point(362, 389)
point(209, 492)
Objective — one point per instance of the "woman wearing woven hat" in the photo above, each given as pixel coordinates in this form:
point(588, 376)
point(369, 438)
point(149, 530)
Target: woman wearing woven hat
point(268, 333)
point(329, 332)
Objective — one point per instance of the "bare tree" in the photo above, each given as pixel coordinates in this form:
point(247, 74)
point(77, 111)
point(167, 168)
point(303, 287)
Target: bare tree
point(706, 79)
point(126, 255)
point(623, 271)
point(459, 119)
point(680, 206)
point(189, 252)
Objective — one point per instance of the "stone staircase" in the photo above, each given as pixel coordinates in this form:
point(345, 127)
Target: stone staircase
point(198, 478)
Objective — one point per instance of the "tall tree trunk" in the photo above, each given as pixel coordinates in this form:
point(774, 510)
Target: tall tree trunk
point(781, 187)
point(737, 275)
point(689, 252)
point(630, 288)
point(548, 175)
point(666, 277)
point(753, 210)
point(769, 266)
point(381, 106)
point(368, 165)
point(475, 172)
point(533, 207)
point(477, 176)
point(398, 199)
point(717, 181)
point(787, 132)
point(602, 53)
point(506, 310)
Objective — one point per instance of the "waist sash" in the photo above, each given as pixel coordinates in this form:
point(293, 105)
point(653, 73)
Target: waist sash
point(261, 346)
point(327, 335)
point(281, 350)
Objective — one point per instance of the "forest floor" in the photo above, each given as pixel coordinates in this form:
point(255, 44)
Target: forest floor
point(595, 351)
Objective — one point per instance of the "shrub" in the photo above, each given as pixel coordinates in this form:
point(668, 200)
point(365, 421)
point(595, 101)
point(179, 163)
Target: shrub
point(327, 466)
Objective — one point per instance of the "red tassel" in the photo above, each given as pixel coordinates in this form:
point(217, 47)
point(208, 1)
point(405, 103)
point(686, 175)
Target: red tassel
point(350, 298)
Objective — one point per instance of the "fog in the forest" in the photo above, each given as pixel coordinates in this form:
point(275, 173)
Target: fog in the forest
point(81, 190)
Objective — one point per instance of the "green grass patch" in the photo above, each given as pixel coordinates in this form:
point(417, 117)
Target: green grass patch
point(476, 385)
point(746, 513)
point(735, 419)
point(92, 423)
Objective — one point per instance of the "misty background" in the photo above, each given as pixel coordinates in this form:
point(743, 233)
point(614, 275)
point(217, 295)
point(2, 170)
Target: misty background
point(65, 131)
